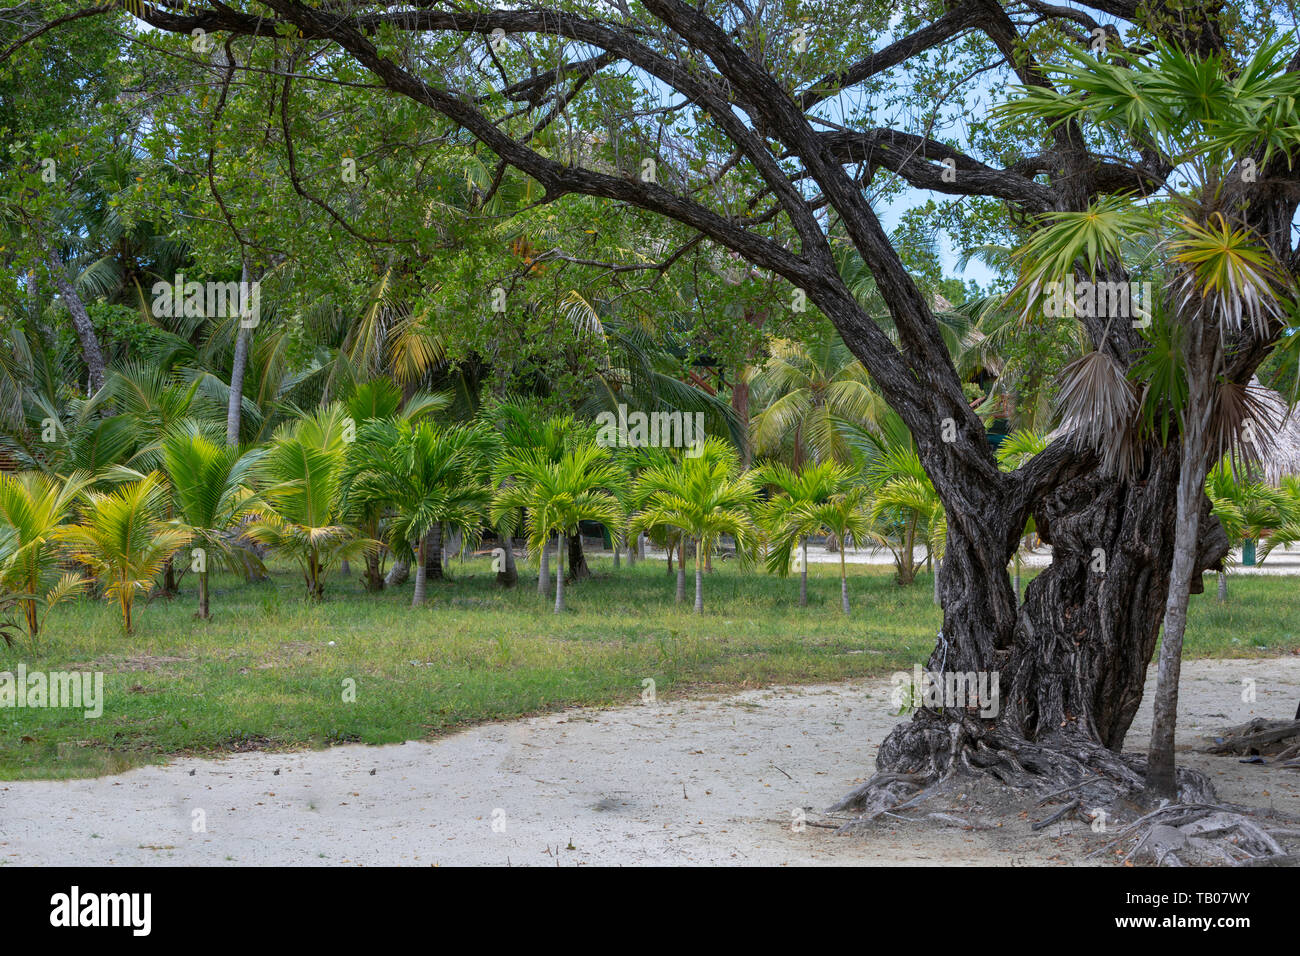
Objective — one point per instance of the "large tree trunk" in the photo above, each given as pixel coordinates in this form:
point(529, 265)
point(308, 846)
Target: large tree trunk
point(1072, 659)
point(91, 353)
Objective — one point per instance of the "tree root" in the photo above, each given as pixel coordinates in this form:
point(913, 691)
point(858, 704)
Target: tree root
point(932, 755)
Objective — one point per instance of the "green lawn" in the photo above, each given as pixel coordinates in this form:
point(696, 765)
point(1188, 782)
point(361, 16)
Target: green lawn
point(263, 673)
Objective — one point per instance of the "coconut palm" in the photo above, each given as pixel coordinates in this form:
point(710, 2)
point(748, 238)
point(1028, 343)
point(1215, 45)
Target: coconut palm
point(124, 539)
point(703, 497)
point(432, 477)
point(211, 489)
point(583, 485)
point(32, 508)
point(299, 475)
point(807, 393)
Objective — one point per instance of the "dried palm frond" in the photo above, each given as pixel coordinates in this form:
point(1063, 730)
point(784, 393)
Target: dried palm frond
point(1244, 425)
point(1098, 406)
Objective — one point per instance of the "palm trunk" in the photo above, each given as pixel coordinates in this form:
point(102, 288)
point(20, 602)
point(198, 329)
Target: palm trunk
point(433, 553)
point(238, 366)
point(640, 545)
point(1223, 588)
point(844, 585)
point(508, 576)
point(681, 572)
point(577, 558)
point(699, 575)
point(1161, 777)
point(559, 575)
point(421, 573)
point(398, 573)
point(803, 572)
point(544, 573)
point(204, 613)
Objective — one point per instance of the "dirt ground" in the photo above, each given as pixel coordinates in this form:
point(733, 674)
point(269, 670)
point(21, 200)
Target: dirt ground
point(700, 781)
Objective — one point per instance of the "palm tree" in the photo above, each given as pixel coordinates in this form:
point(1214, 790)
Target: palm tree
point(583, 485)
point(432, 477)
point(906, 508)
point(704, 498)
point(300, 475)
point(124, 539)
point(1246, 509)
point(32, 508)
point(211, 489)
point(812, 485)
point(821, 499)
point(807, 393)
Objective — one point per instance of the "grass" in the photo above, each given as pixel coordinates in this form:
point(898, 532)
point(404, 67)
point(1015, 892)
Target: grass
point(272, 671)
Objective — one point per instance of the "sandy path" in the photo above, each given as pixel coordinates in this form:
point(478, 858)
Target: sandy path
point(693, 781)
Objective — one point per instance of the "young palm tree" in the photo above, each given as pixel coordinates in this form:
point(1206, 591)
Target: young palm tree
point(906, 508)
point(583, 485)
point(703, 498)
point(300, 474)
point(813, 485)
point(32, 507)
point(211, 490)
point(125, 540)
point(1245, 508)
point(821, 499)
point(431, 477)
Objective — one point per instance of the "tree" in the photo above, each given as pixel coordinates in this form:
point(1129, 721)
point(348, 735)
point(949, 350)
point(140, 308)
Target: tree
point(32, 509)
point(704, 497)
point(1247, 510)
point(760, 177)
point(299, 482)
point(1225, 288)
point(557, 496)
point(124, 540)
point(211, 487)
point(822, 498)
point(432, 477)
point(807, 393)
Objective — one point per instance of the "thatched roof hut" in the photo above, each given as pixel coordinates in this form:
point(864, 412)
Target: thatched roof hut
point(1282, 456)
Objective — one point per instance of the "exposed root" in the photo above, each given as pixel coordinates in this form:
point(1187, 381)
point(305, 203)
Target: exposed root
point(1096, 787)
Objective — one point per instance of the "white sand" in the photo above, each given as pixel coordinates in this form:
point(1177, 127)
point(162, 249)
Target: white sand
point(682, 782)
